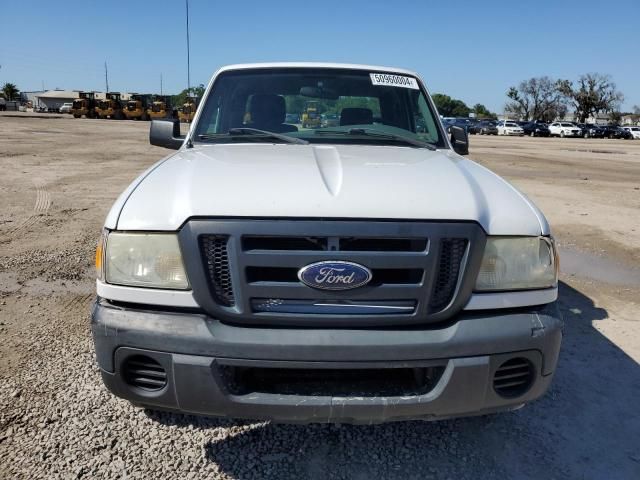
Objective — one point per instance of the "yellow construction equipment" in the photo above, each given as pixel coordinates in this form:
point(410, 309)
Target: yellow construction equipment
point(311, 115)
point(188, 110)
point(160, 107)
point(110, 107)
point(136, 107)
point(85, 105)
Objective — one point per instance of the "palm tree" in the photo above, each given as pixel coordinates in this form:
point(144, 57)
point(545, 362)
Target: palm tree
point(10, 91)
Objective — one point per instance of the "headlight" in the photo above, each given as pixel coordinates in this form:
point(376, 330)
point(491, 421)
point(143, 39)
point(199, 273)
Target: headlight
point(144, 260)
point(517, 263)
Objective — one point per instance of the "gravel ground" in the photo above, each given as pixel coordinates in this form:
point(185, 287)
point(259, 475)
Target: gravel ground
point(58, 421)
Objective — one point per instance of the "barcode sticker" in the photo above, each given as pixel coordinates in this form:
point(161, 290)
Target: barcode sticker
point(394, 80)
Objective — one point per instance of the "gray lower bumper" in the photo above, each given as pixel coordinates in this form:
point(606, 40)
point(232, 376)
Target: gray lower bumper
point(193, 347)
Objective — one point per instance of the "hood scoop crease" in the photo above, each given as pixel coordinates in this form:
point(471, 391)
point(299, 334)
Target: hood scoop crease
point(330, 166)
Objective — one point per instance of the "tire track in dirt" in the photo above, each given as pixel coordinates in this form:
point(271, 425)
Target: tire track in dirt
point(78, 303)
point(41, 206)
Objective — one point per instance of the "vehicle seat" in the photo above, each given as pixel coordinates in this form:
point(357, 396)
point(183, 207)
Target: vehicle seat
point(268, 113)
point(356, 116)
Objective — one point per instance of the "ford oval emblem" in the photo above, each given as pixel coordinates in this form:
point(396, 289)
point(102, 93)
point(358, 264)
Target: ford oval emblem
point(334, 275)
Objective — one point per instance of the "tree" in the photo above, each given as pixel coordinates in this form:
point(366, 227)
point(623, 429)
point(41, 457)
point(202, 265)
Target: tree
point(181, 98)
point(10, 91)
point(592, 94)
point(538, 98)
point(483, 112)
point(450, 107)
point(615, 117)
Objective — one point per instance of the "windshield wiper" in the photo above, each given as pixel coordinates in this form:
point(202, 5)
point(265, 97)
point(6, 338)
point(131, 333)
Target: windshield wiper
point(254, 131)
point(374, 133)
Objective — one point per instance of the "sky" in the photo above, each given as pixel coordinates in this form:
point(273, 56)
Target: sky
point(472, 50)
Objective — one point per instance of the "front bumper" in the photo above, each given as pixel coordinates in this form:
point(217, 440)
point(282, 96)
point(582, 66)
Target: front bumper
point(194, 349)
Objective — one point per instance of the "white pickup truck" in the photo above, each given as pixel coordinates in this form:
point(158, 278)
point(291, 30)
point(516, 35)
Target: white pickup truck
point(360, 273)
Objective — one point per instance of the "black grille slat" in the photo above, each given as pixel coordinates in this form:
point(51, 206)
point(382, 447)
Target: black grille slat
point(452, 252)
point(216, 259)
point(513, 377)
point(343, 244)
point(144, 372)
point(363, 382)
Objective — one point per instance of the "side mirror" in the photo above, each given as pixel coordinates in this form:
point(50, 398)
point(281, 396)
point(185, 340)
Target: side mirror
point(459, 140)
point(166, 133)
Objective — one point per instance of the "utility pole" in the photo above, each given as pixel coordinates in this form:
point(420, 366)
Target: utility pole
point(106, 76)
point(188, 50)
point(161, 84)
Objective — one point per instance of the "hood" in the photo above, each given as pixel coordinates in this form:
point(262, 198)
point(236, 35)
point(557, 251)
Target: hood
point(318, 181)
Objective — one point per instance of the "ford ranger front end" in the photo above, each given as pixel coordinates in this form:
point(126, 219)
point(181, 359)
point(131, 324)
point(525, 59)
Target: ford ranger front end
point(358, 273)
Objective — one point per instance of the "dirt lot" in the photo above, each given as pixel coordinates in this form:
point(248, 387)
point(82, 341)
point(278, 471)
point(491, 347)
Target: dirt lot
point(58, 178)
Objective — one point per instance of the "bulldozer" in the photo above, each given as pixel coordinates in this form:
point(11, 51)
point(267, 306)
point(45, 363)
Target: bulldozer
point(110, 107)
point(160, 108)
point(310, 115)
point(136, 107)
point(188, 110)
point(85, 105)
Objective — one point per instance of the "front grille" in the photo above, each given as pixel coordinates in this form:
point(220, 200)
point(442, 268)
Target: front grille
point(246, 270)
point(144, 372)
point(216, 259)
point(450, 259)
point(513, 378)
point(363, 382)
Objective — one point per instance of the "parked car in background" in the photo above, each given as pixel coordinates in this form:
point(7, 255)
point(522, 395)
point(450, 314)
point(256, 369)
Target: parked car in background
point(508, 127)
point(292, 118)
point(614, 131)
point(634, 131)
point(66, 108)
point(536, 129)
point(589, 130)
point(3, 104)
point(329, 120)
point(565, 129)
point(472, 126)
point(487, 127)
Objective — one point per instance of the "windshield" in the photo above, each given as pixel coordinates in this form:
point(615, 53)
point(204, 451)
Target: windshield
point(565, 124)
point(293, 101)
point(511, 124)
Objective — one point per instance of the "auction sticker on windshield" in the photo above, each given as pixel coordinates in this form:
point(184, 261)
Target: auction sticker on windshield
point(394, 80)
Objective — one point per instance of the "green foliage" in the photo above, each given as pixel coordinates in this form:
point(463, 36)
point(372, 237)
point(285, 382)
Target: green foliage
point(483, 112)
point(10, 91)
point(180, 99)
point(450, 107)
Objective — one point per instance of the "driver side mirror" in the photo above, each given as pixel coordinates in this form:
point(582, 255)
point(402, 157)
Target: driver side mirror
point(459, 140)
point(166, 133)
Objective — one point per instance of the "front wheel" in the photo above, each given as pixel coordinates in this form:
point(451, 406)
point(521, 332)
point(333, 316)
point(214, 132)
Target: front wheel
point(533, 134)
point(561, 134)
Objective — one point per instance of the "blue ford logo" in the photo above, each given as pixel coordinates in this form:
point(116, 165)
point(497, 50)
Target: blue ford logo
point(334, 275)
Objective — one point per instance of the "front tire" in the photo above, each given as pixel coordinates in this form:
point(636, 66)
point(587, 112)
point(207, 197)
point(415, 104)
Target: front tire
point(561, 134)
